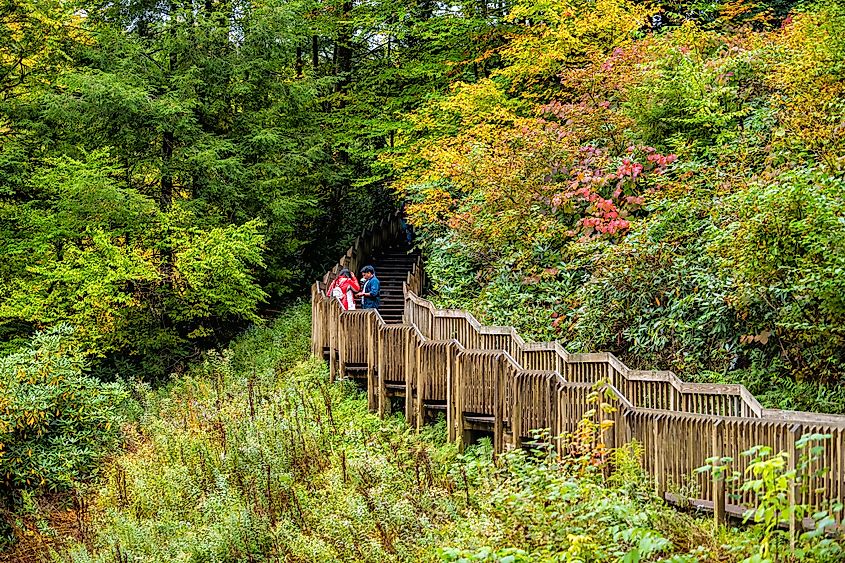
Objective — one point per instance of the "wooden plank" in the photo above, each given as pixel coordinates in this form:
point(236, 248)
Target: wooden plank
point(718, 479)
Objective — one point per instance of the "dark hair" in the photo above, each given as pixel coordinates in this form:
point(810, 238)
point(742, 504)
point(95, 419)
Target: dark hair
point(344, 273)
point(368, 270)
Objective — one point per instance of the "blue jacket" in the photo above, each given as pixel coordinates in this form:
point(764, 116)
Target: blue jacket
point(372, 286)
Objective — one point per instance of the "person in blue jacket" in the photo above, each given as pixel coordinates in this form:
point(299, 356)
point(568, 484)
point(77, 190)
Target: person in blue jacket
point(369, 288)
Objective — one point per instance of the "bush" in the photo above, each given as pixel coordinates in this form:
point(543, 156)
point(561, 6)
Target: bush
point(782, 243)
point(56, 424)
point(715, 253)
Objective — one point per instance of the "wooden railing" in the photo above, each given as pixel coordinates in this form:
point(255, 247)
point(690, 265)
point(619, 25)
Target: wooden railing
point(483, 376)
point(324, 322)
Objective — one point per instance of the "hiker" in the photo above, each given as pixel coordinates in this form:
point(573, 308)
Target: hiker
point(404, 226)
point(370, 288)
point(406, 230)
point(343, 288)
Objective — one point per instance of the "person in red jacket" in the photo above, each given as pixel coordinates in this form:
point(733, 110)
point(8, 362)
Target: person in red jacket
point(343, 288)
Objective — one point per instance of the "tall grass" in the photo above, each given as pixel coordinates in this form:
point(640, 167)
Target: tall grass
point(253, 456)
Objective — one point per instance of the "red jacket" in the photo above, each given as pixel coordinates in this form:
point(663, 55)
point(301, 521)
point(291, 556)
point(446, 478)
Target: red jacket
point(347, 288)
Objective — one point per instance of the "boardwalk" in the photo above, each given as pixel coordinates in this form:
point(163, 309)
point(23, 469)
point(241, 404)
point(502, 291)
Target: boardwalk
point(487, 379)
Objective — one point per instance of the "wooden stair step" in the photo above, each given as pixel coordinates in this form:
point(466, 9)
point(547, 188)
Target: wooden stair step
point(479, 418)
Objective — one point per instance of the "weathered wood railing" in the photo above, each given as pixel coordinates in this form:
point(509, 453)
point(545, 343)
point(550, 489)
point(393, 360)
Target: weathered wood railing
point(489, 377)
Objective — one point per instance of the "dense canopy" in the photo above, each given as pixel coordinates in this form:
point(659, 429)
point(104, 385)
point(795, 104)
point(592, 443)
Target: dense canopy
point(662, 180)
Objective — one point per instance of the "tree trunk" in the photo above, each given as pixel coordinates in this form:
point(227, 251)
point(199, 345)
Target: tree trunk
point(344, 49)
point(166, 197)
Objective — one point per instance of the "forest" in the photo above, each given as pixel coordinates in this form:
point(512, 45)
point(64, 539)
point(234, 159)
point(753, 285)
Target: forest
point(660, 180)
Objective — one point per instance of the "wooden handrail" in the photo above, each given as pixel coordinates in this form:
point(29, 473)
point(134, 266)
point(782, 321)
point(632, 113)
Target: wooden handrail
point(489, 377)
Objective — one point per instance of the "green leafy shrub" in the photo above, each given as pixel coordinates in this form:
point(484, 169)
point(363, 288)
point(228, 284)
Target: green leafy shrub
point(714, 253)
point(56, 423)
point(771, 478)
point(782, 243)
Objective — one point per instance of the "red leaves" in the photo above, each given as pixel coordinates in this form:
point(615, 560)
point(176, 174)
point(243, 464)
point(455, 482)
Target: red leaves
point(662, 161)
point(602, 198)
point(629, 169)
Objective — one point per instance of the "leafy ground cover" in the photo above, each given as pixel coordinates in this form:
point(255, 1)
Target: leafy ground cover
point(253, 456)
point(664, 182)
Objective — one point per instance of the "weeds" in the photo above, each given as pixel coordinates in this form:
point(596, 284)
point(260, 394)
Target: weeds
point(254, 456)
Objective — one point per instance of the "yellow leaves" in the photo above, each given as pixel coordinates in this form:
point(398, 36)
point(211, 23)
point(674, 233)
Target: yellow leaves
point(562, 34)
point(467, 105)
point(739, 12)
point(29, 419)
point(808, 87)
point(436, 205)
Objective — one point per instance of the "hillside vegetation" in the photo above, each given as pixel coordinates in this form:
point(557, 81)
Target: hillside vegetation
point(659, 180)
point(674, 197)
point(254, 456)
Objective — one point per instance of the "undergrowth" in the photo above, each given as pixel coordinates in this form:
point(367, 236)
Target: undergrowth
point(254, 456)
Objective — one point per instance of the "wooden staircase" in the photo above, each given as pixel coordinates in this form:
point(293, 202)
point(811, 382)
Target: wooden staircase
point(489, 380)
point(392, 265)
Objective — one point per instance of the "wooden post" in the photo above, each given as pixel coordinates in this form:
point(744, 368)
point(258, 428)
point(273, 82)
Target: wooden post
point(342, 343)
point(382, 390)
point(450, 391)
point(559, 420)
point(332, 343)
point(717, 447)
point(421, 382)
point(315, 321)
point(459, 402)
point(410, 376)
point(600, 414)
point(553, 407)
point(559, 365)
point(516, 413)
point(795, 526)
point(498, 405)
point(657, 453)
point(372, 355)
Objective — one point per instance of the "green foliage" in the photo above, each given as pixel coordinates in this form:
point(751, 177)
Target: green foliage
point(56, 423)
point(166, 170)
point(654, 296)
point(713, 252)
point(773, 480)
point(787, 261)
point(254, 455)
point(271, 462)
point(132, 279)
point(213, 272)
point(693, 93)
